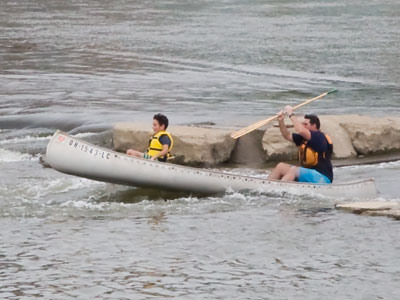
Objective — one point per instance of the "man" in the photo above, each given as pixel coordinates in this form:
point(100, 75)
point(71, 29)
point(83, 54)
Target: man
point(160, 144)
point(315, 150)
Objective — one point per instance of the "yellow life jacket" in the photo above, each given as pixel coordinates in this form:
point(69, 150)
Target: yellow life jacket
point(309, 157)
point(155, 146)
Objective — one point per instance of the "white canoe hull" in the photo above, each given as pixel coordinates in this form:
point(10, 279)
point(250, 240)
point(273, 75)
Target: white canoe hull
point(73, 156)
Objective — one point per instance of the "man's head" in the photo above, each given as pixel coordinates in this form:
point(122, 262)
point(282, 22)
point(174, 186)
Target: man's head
point(160, 122)
point(311, 122)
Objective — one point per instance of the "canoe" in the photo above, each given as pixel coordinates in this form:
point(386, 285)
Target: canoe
point(74, 156)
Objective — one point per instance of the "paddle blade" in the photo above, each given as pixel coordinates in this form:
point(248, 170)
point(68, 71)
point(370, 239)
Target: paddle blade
point(332, 91)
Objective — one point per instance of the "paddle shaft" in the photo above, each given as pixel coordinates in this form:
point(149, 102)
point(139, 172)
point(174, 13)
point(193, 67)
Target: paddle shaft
point(252, 127)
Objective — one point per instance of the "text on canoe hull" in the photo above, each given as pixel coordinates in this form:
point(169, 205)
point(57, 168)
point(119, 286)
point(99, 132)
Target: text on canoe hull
point(91, 150)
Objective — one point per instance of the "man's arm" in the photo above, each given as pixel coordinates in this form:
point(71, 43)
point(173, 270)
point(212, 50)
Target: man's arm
point(282, 126)
point(304, 132)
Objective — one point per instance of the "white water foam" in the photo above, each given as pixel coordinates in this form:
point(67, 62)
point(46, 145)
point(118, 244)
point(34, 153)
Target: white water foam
point(33, 138)
point(63, 185)
point(385, 165)
point(35, 189)
point(11, 156)
point(86, 205)
point(387, 199)
point(26, 138)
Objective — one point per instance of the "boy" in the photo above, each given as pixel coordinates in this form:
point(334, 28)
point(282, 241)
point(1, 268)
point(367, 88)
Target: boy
point(160, 144)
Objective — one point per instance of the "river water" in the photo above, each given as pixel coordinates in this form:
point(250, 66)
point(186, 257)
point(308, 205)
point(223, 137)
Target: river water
point(80, 66)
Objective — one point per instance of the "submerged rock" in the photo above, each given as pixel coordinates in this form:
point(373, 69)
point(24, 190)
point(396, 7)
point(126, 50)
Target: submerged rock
point(388, 209)
point(359, 207)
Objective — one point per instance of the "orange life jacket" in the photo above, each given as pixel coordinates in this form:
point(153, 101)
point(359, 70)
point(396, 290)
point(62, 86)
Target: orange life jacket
point(308, 157)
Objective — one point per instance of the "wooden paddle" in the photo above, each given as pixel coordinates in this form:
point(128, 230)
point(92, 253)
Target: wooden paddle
point(250, 128)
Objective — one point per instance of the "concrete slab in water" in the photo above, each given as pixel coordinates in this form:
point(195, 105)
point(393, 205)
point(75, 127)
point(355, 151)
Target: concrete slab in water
point(388, 209)
point(365, 206)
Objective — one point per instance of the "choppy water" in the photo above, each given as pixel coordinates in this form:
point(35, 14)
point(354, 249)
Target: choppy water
point(82, 65)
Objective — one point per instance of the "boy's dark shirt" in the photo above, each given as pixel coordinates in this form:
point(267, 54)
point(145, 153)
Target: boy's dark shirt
point(165, 140)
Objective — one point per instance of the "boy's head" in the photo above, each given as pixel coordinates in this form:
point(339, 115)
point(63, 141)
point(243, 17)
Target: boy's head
point(311, 122)
point(160, 122)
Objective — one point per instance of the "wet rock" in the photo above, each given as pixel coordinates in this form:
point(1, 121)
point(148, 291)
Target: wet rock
point(395, 213)
point(131, 136)
point(248, 149)
point(202, 124)
point(102, 139)
point(343, 146)
point(352, 136)
point(371, 135)
point(193, 145)
point(383, 213)
point(388, 209)
point(359, 207)
point(43, 161)
point(276, 148)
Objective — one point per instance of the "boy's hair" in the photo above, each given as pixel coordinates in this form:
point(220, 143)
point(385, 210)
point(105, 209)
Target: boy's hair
point(162, 120)
point(313, 120)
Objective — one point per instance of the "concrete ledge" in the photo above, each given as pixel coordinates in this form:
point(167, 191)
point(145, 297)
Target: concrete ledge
point(371, 135)
point(352, 135)
point(388, 209)
point(248, 149)
point(193, 145)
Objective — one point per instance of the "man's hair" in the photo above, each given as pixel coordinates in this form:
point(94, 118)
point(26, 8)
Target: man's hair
point(162, 120)
point(313, 120)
